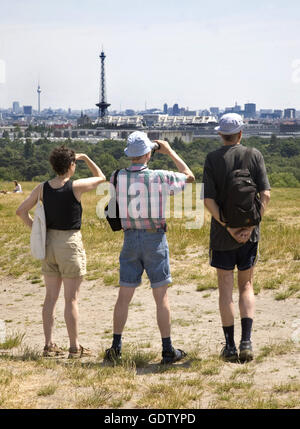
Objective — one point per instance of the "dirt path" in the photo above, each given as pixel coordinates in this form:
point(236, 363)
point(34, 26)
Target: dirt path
point(195, 327)
point(195, 317)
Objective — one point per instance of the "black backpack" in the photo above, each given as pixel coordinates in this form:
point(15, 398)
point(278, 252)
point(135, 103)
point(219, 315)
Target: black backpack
point(111, 211)
point(241, 204)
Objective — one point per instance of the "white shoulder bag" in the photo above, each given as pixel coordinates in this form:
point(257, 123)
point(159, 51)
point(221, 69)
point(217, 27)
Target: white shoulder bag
point(38, 231)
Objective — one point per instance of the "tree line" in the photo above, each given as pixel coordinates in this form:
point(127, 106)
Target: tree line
point(28, 161)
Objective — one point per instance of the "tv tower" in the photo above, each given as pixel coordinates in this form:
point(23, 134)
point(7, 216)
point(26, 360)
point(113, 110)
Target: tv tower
point(103, 105)
point(39, 98)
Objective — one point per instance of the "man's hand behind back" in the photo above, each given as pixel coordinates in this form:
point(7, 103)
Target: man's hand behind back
point(241, 235)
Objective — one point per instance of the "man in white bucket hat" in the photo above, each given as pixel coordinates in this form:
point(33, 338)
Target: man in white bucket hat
point(230, 124)
point(145, 244)
point(234, 246)
point(138, 144)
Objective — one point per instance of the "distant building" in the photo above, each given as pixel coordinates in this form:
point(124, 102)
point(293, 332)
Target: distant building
point(289, 114)
point(16, 107)
point(83, 121)
point(205, 112)
point(127, 121)
point(266, 114)
point(129, 112)
point(176, 121)
point(214, 110)
point(165, 110)
point(265, 111)
point(249, 110)
point(27, 110)
point(237, 108)
point(175, 110)
point(277, 114)
point(234, 109)
point(290, 127)
point(191, 113)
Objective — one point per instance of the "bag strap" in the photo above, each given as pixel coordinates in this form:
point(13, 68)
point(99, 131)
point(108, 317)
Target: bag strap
point(246, 158)
point(116, 178)
point(41, 191)
point(136, 171)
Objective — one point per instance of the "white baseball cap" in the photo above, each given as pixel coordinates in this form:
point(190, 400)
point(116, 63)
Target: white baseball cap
point(230, 123)
point(138, 144)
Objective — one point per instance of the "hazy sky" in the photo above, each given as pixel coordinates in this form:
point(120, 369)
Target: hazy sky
point(195, 53)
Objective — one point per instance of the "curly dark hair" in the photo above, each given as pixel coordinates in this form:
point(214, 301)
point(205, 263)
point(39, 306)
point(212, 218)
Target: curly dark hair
point(61, 159)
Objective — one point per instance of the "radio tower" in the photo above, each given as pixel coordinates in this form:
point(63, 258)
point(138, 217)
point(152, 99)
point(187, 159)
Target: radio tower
point(39, 98)
point(103, 105)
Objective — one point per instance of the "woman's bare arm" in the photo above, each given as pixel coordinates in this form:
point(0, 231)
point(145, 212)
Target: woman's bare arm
point(23, 210)
point(84, 185)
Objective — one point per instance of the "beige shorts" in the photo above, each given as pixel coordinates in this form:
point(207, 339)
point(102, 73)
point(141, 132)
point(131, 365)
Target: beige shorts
point(65, 255)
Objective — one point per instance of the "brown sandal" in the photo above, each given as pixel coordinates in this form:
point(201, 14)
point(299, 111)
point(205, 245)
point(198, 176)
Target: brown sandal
point(75, 353)
point(53, 350)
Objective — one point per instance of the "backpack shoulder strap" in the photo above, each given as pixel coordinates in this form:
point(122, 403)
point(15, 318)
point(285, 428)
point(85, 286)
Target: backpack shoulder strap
point(246, 158)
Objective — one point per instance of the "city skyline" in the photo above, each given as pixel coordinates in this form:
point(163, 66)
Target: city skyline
point(166, 109)
point(197, 55)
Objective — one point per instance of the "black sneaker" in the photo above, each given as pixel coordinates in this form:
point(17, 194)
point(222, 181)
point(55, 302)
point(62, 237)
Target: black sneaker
point(246, 352)
point(229, 354)
point(112, 354)
point(173, 356)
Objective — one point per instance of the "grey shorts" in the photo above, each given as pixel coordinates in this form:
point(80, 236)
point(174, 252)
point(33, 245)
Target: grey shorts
point(65, 255)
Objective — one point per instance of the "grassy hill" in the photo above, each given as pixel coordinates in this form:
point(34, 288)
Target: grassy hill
point(271, 381)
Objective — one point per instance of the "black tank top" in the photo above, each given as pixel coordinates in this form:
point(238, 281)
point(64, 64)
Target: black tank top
point(63, 211)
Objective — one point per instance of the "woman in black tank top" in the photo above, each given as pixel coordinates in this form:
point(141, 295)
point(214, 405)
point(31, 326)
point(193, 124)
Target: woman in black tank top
point(63, 211)
point(65, 261)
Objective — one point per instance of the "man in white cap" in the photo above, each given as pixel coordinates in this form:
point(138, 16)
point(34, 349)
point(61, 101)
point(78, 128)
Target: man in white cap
point(140, 193)
point(233, 246)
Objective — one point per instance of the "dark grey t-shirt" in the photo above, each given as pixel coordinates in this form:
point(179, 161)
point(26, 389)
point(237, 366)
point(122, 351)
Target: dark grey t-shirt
point(217, 165)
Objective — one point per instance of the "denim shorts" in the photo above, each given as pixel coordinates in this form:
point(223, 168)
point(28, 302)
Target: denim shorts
point(243, 257)
point(145, 250)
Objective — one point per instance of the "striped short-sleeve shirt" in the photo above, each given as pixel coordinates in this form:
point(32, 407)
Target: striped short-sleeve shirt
point(142, 194)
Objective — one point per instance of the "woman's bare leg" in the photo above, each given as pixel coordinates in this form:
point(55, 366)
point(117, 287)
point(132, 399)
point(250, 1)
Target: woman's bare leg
point(53, 285)
point(71, 289)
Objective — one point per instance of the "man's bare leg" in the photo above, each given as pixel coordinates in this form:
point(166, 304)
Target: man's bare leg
point(120, 318)
point(121, 308)
point(226, 306)
point(246, 299)
point(246, 305)
point(163, 316)
point(169, 353)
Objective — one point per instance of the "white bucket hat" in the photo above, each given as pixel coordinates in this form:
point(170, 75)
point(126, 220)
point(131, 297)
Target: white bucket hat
point(230, 123)
point(138, 144)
